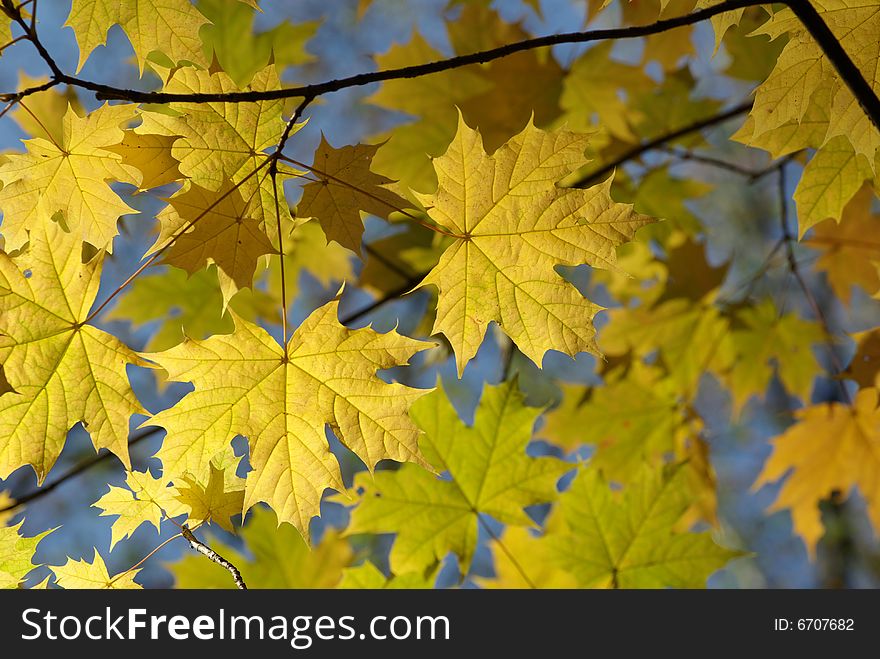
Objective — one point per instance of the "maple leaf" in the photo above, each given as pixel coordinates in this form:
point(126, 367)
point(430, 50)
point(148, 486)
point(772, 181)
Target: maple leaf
point(802, 68)
point(692, 337)
point(220, 142)
point(592, 86)
point(832, 447)
point(93, 575)
point(523, 86)
point(281, 400)
point(219, 499)
point(189, 305)
point(69, 177)
point(231, 39)
point(16, 552)
point(223, 228)
point(151, 156)
point(848, 255)
point(832, 177)
point(217, 141)
point(168, 26)
point(63, 371)
point(533, 567)
point(346, 187)
point(367, 576)
point(626, 540)
point(144, 500)
point(688, 272)
point(511, 226)
point(491, 474)
point(768, 343)
point(635, 417)
point(791, 136)
point(280, 559)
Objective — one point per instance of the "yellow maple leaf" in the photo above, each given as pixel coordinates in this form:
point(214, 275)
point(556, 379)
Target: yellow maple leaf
point(831, 448)
point(831, 178)
point(223, 229)
point(765, 343)
point(69, 177)
point(281, 400)
point(168, 26)
point(63, 371)
point(345, 188)
point(802, 68)
point(93, 575)
point(608, 539)
point(512, 225)
point(848, 254)
point(145, 500)
point(593, 86)
point(218, 141)
point(218, 500)
point(221, 142)
point(522, 86)
point(151, 156)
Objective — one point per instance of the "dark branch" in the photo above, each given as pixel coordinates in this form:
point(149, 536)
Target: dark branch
point(388, 297)
point(83, 466)
point(842, 62)
point(660, 140)
point(105, 92)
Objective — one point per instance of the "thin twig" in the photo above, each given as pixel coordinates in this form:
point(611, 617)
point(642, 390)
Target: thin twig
point(148, 556)
point(816, 308)
point(342, 182)
point(636, 151)
point(753, 175)
point(205, 550)
point(177, 234)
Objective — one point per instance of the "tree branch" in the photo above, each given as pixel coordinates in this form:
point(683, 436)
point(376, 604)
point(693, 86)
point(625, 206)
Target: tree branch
point(83, 466)
point(205, 550)
point(105, 92)
point(789, 238)
point(838, 57)
point(660, 140)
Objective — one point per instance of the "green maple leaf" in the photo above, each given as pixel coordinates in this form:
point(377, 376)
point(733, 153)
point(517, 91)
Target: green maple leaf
point(491, 474)
point(16, 553)
point(626, 540)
